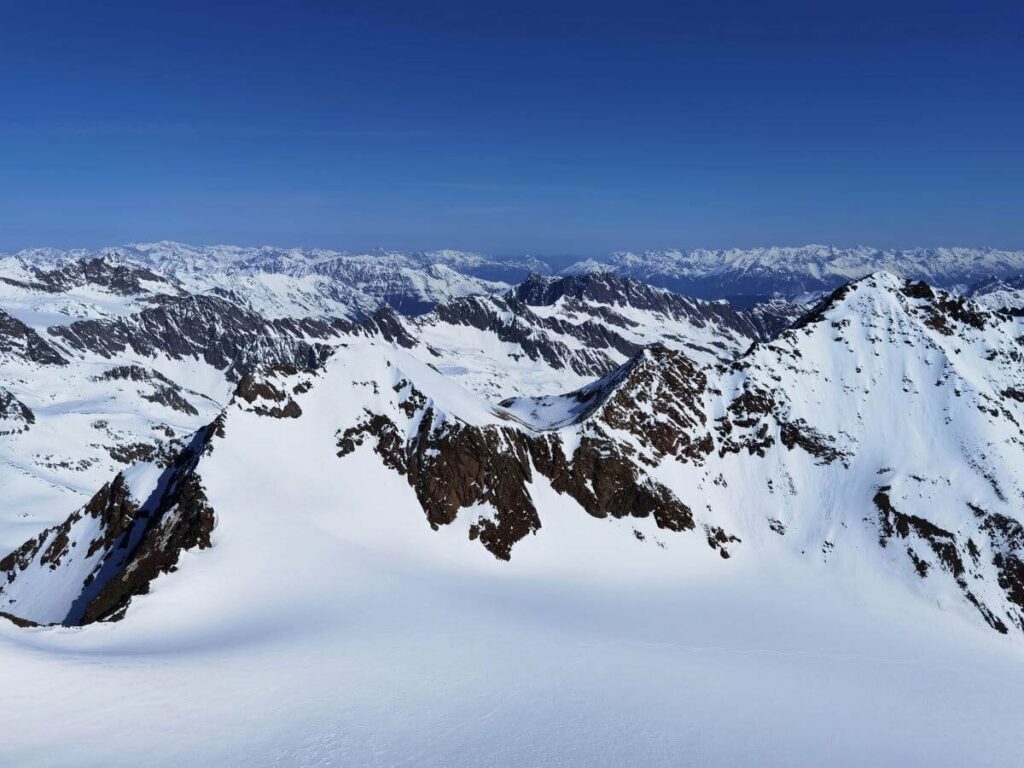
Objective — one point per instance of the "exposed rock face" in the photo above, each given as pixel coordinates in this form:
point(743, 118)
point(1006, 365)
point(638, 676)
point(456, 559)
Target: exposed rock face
point(1006, 542)
point(118, 277)
point(584, 326)
point(608, 289)
point(386, 324)
point(268, 390)
point(18, 339)
point(164, 391)
point(512, 322)
point(606, 483)
point(961, 556)
point(89, 567)
point(599, 287)
point(209, 328)
point(15, 416)
point(453, 465)
point(658, 398)
point(183, 520)
point(770, 318)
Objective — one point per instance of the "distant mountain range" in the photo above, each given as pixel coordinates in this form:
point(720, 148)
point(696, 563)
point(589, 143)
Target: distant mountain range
point(794, 271)
point(413, 282)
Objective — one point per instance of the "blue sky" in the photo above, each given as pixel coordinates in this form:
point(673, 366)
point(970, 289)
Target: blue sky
point(512, 127)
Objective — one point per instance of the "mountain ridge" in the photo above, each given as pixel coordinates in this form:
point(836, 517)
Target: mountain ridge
point(675, 447)
point(700, 272)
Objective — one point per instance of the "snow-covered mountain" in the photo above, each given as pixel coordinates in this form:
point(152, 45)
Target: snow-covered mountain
point(1000, 293)
point(349, 282)
point(554, 332)
point(103, 361)
point(786, 450)
point(275, 473)
point(793, 271)
point(74, 327)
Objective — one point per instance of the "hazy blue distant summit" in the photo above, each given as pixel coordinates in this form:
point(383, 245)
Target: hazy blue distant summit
point(794, 270)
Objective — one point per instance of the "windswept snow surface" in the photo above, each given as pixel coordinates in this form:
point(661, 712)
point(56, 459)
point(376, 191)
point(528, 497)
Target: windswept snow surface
point(373, 653)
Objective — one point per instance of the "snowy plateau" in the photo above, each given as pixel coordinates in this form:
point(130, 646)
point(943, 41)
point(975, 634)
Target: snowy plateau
point(294, 507)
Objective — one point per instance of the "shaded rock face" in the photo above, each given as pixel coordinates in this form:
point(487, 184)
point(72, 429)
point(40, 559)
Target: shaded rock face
point(15, 416)
point(183, 520)
point(658, 398)
point(969, 558)
point(612, 290)
point(512, 322)
point(164, 391)
point(453, 466)
point(208, 328)
point(18, 339)
point(601, 287)
point(117, 277)
point(386, 324)
point(268, 390)
point(600, 319)
point(111, 549)
point(771, 317)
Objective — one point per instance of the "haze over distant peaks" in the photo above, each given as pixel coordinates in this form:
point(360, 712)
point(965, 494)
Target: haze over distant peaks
point(426, 277)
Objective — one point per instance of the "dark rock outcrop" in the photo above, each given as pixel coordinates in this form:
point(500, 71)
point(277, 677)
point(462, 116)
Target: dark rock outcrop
point(386, 324)
point(164, 392)
point(18, 339)
point(209, 328)
point(118, 277)
point(15, 416)
point(134, 542)
point(452, 465)
point(960, 558)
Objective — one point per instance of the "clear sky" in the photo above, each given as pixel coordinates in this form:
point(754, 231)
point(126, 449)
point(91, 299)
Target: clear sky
point(537, 127)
